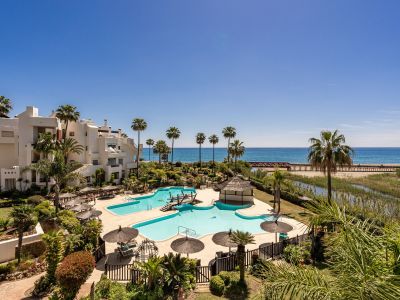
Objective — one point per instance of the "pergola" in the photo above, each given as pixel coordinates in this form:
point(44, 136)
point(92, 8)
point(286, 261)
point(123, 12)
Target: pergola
point(236, 190)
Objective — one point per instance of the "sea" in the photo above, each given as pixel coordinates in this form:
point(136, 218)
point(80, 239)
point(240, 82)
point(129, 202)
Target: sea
point(291, 155)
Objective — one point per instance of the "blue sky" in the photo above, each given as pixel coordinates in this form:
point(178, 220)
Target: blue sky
point(279, 71)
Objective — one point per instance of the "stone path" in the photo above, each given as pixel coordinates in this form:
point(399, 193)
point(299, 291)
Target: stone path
point(18, 289)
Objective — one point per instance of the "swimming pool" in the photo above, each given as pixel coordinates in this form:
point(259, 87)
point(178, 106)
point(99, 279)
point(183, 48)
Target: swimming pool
point(203, 220)
point(158, 199)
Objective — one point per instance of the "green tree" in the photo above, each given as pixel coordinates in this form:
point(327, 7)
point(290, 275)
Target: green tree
point(72, 242)
point(5, 107)
point(178, 273)
point(213, 139)
point(62, 173)
point(23, 218)
point(138, 125)
point(278, 178)
point(54, 241)
point(200, 138)
point(173, 133)
point(45, 144)
point(328, 152)
point(67, 113)
point(360, 264)
point(152, 272)
point(229, 133)
point(150, 143)
point(242, 239)
point(160, 148)
point(236, 150)
point(99, 176)
point(70, 146)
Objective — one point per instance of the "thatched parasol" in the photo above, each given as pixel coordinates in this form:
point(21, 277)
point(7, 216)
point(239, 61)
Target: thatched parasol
point(96, 213)
point(223, 238)
point(109, 188)
point(81, 207)
point(73, 202)
point(87, 189)
point(121, 235)
point(67, 196)
point(276, 227)
point(187, 245)
point(85, 215)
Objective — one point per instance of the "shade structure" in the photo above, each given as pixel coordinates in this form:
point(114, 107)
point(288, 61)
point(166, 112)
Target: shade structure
point(87, 189)
point(81, 207)
point(187, 245)
point(109, 188)
point(276, 226)
point(66, 196)
point(223, 238)
point(121, 235)
point(73, 202)
point(85, 215)
point(96, 213)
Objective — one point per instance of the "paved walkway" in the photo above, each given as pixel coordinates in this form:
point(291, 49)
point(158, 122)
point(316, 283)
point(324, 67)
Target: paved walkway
point(18, 289)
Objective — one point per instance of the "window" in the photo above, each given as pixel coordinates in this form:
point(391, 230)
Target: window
point(71, 133)
point(7, 133)
point(86, 148)
point(88, 178)
point(120, 161)
point(86, 133)
point(95, 162)
point(116, 175)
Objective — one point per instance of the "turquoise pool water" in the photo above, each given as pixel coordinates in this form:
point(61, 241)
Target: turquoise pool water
point(203, 220)
point(158, 199)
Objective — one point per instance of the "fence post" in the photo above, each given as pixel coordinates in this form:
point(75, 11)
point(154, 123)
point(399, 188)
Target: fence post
point(105, 268)
point(272, 250)
point(297, 239)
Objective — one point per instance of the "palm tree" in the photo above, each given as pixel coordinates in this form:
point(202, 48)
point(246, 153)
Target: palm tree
point(5, 107)
point(229, 133)
point(160, 148)
point(138, 125)
point(200, 138)
point(236, 149)
point(152, 272)
point(360, 264)
point(213, 139)
point(178, 273)
point(173, 133)
point(67, 113)
point(61, 172)
point(42, 167)
point(278, 178)
point(70, 146)
point(242, 239)
point(23, 218)
point(45, 144)
point(150, 143)
point(54, 241)
point(328, 152)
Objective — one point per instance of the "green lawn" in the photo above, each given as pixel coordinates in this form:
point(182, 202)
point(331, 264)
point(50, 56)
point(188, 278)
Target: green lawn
point(4, 212)
point(287, 208)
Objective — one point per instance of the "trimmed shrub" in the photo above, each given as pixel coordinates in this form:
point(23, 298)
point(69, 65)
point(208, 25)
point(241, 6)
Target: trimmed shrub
point(35, 199)
point(45, 210)
point(42, 286)
point(74, 270)
point(217, 285)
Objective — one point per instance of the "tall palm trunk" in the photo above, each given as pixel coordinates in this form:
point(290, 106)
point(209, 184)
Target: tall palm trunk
point(214, 158)
point(278, 197)
point(236, 163)
point(138, 156)
point(172, 152)
point(159, 158)
point(149, 152)
point(66, 129)
point(20, 236)
point(329, 184)
point(241, 253)
point(229, 142)
point(57, 198)
point(200, 155)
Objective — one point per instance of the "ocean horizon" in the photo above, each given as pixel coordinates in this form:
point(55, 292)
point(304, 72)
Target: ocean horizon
point(362, 155)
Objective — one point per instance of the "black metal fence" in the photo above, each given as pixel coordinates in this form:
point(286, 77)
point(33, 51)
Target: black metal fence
point(100, 251)
point(127, 272)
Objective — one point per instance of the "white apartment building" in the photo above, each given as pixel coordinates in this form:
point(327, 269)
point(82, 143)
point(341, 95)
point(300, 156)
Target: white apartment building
point(103, 148)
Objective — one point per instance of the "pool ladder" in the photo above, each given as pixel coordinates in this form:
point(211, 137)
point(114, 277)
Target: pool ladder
point(186, 231)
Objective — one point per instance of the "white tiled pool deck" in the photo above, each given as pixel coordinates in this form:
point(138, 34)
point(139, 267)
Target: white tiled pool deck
point(207, 197)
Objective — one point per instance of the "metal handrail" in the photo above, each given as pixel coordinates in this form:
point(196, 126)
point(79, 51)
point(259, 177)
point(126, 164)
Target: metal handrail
point(187, 230)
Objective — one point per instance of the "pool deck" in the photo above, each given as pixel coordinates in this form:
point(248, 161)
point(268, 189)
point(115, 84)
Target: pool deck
point(207, 198)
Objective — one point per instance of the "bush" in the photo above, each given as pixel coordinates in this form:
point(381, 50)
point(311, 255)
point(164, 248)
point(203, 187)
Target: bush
point(398, 172)
point(295, 254)
point(45, 210)
point(7, 268)
point(42, 286)
point(74, 270)
point(68, 221)
point(217, 285)
point(35, 199)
